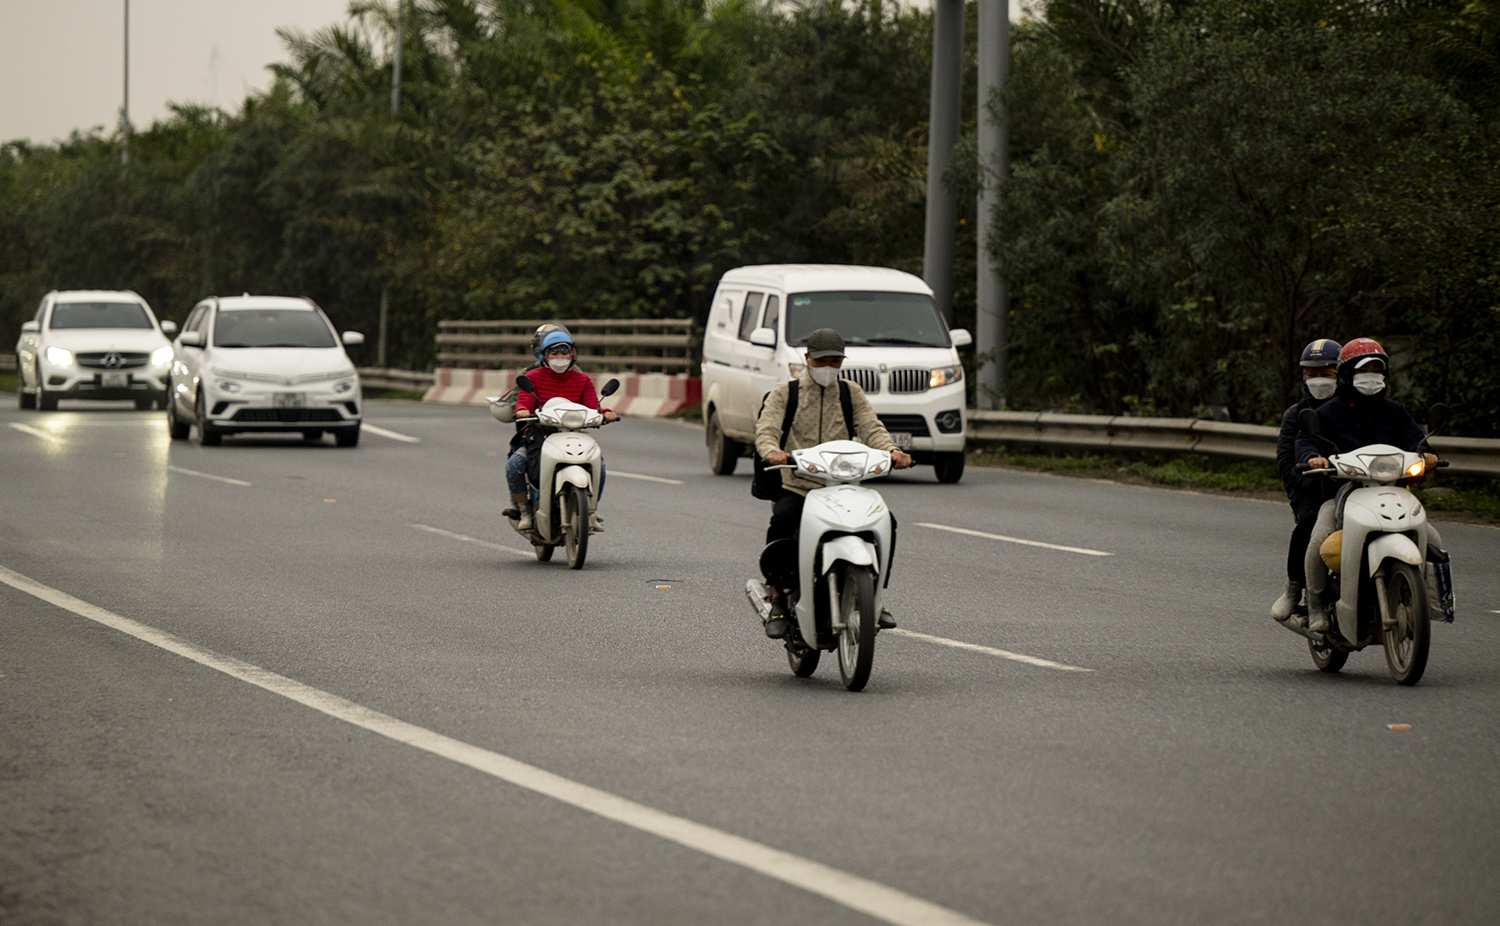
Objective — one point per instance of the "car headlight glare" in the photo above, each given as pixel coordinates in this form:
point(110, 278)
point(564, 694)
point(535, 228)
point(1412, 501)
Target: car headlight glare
point(161, 356)
point(59, 357)
point(945, 376)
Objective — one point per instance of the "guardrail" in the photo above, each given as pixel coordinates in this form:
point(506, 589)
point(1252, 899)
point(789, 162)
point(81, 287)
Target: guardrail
point(409, 380)
point(618, 344)
point(1466, 456)
point(7, 363)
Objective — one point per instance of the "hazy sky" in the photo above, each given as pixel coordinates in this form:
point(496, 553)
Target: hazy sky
point(62, 68)
point(62, 65)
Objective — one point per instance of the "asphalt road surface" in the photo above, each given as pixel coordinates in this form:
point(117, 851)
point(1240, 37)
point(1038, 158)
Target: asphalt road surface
point(273, 682)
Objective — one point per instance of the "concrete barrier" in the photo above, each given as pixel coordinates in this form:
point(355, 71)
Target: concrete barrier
point(646, 395)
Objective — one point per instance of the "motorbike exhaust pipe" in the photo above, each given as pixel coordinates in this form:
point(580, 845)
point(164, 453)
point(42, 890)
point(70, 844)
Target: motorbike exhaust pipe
point(760, 598)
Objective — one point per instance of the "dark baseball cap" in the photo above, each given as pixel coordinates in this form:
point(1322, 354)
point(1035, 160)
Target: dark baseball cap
point(825, 342)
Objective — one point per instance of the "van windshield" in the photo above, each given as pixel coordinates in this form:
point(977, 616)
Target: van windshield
point(867, 318)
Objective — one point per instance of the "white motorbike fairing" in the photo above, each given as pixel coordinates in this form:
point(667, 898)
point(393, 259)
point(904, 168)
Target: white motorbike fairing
point(1388, 512)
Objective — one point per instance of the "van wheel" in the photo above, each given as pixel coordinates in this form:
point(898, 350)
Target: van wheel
point(949, 466)
point(723, 451)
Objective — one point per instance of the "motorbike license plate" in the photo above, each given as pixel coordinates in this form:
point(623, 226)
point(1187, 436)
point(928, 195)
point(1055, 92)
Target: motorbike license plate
point(902, 439)
point(114, 380)
point(289, 400)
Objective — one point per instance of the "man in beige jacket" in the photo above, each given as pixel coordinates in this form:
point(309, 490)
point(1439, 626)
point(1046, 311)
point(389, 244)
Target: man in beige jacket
point(819, 417)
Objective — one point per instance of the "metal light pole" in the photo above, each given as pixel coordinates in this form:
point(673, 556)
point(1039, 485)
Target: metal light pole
point(125, 105)
point(385, 295)
point(994, 305)
point(942, 135)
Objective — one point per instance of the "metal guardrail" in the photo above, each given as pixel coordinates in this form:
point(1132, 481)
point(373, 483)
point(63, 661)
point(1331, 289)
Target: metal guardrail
point(1466, 456)
point(409, 380)
point(7, 363)
point(619, 344)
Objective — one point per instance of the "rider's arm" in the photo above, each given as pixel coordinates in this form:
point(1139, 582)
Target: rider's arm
point(768, 426)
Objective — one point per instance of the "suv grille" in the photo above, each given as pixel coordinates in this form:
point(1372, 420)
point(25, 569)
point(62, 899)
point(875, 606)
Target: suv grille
point(868, 379)
point(112, 359)
point(286, 415)
point(915, 425)
point(910, 380)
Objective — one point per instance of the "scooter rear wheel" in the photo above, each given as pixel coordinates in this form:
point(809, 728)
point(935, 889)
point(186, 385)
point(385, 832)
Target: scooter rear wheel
point(857, 614)
point(1406, 642)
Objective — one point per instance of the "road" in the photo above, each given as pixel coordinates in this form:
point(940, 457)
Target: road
point(271, 682)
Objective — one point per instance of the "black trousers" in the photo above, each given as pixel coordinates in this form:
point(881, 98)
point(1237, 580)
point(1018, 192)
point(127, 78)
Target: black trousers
point(786, 516)
point(1305, 507)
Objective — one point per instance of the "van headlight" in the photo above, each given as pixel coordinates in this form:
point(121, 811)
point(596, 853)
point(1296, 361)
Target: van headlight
point(945, 376)
point(59, 357)
point(796, 369)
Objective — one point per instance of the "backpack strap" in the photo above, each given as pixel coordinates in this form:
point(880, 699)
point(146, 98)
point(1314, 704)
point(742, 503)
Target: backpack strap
point(847, 404)
point(791, 412)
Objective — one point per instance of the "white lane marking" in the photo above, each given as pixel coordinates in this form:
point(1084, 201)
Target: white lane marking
point(670, 482)
point(193, 472)
point(1030, 543)
point(34, 432)
point(467, 539)
point(391, 434)
point(988, 651)
point(869, 897)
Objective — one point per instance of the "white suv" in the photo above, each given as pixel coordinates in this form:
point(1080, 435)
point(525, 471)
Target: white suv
point(897, 347)
point(263, 363)
point(93, 344)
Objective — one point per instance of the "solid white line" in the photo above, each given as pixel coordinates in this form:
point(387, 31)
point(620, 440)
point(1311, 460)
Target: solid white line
point(989, 651)
point(193, 472)
point(466, 539)
point(34, 432)
point(391, 434)
point(1030, 543)
point(869, 897)
point(670, 482)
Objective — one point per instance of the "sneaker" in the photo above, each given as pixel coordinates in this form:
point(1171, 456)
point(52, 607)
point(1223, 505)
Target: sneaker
point(885, 621)
point(1287, 603)
point(777, 627)
point(596, 523)
point(1317, 619)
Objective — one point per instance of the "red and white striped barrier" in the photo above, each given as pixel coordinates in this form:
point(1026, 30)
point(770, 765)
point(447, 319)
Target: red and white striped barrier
point(645, 395)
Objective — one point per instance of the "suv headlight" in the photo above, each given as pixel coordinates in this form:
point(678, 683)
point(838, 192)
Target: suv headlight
point(161, 356)
point(59, 357)
point(945, 375)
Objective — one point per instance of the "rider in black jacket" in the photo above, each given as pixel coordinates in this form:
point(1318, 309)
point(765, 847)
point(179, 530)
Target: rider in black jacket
point(1359, 414)
point(1319, 380)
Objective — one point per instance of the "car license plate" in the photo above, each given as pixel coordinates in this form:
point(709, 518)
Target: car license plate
point(114, 380)
point(289, 400)
point(902, 439)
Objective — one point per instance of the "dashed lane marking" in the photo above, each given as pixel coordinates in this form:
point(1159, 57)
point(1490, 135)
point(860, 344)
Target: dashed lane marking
point(194, 472)
point(670, 482)
point(467, 539)
point(989, 651)
point(382, 432)
point(872, 898)
point(1030, 543)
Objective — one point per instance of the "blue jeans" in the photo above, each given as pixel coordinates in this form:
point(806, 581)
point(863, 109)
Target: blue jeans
point(515, 475)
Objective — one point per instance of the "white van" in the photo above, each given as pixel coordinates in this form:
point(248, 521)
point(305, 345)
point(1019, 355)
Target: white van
point(897, 347)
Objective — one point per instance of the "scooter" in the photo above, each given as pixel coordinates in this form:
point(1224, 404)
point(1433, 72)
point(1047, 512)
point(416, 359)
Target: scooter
point(568, 470)
point(833, 575)
point(1380, 563)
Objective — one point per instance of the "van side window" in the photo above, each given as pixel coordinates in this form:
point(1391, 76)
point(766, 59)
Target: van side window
point(773, 312)
point(750, 314)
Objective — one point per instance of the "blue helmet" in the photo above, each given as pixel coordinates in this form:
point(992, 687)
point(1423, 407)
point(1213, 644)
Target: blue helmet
point(541, 332)
point(561, 336)
point(1324, 352)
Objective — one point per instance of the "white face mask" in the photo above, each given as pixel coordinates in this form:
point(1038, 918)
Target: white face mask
point(560, 366)
point(1322, 387)
point(824, 376)
point(1369, 383)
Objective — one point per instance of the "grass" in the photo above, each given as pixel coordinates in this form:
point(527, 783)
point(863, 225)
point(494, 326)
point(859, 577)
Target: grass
point(7, 382)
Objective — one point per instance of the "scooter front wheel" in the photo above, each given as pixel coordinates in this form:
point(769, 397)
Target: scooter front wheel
point(802, 658)
point(857, 614)
point(1326, 658)
point(576, 525)
point(543, 551)
point(1406, 633)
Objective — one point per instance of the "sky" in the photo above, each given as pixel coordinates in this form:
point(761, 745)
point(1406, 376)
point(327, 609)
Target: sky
point(62, 61)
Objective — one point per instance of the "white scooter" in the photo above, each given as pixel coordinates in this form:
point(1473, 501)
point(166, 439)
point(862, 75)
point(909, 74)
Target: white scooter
point(568, 471)
point(842, 562)
point(1379, 562)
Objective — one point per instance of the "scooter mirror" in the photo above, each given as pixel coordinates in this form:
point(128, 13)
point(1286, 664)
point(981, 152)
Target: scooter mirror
point(610, 388)
point(1307, 419)
point(523, 383)
point(1437, 416)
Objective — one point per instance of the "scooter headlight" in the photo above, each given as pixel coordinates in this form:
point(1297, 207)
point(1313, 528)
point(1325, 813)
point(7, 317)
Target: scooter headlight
point(847, 465)
point(1387, 467)
point(573, 418)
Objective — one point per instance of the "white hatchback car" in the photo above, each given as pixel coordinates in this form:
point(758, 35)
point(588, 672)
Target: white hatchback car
point(93, 344)
point(263, 363)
